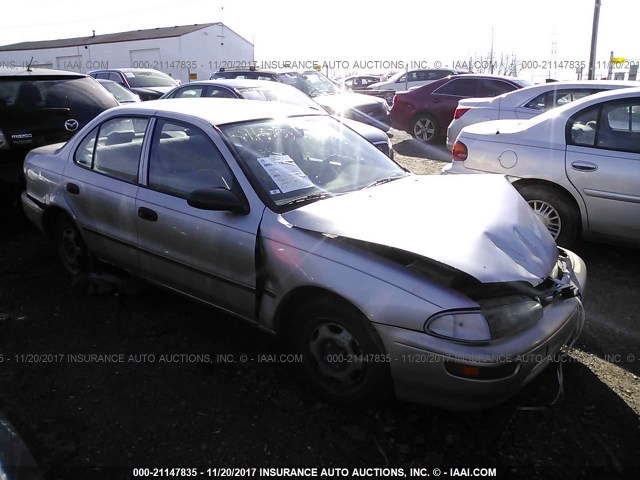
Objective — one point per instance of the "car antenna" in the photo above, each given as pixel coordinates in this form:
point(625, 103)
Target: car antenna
point(29, 66)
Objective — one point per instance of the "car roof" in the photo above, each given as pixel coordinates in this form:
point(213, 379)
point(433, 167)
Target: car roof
point(234, 83)
point(219, 111)
point(125, 69)
point(37, 72)
point(534, 90)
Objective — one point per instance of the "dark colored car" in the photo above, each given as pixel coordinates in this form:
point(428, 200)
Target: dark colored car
point(40, 107)
point(273, 92)
point(425, 112)
point(333, 98)
point(147, 83)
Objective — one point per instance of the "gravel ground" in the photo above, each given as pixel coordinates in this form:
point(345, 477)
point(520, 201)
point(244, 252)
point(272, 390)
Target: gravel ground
point(164, 409)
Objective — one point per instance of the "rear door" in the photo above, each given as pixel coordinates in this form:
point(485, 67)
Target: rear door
point(101, 185)
point(603, 163)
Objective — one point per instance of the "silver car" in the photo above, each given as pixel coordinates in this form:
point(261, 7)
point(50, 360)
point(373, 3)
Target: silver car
point(288, 219)
point(525, 103)
point(577, 165)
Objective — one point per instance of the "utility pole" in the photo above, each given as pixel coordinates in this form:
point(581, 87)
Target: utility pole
point(594, 40)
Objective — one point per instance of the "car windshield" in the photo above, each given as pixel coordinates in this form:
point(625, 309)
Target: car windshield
point(278, 93)
point(312, 83)
point(149, 78)
point(298, 160)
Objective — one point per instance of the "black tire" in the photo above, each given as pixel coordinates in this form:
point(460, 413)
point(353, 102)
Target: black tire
point(556, 210)
point(343, 359)
point(425, 128)
point(71, 249)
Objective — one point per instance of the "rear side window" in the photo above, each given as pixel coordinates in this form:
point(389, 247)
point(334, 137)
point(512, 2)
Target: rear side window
point(189, 92)
point(582, 127)
point(463, 87)
point(217, 92)
point(557, 98)
point(114, 148)
point(492, 88)
point(82, 96)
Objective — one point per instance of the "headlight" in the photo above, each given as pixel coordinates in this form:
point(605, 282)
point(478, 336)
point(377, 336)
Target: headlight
point(468, 326)
point(497, 318)
point(508, 315)
point(3, 141)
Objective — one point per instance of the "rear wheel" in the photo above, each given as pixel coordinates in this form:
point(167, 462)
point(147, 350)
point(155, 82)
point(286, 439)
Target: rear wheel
point(558, 213)
point(343, 359)
point(425, 128)
point(72, 251)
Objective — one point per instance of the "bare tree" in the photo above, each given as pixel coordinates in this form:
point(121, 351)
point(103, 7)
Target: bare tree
point(505, 64)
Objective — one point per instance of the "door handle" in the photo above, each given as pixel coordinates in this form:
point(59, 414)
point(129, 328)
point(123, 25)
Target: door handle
point(73, 188)
point(147, 214)
point(584, 166)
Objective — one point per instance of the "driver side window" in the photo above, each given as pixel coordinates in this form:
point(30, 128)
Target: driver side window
point(184, 159)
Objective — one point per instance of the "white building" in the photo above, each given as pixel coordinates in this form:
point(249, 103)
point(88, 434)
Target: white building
point(186, 52)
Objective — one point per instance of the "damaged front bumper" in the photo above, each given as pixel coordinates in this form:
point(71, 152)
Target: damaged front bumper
point(463, 376)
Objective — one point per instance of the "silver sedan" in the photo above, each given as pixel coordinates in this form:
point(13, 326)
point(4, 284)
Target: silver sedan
point(382, 281)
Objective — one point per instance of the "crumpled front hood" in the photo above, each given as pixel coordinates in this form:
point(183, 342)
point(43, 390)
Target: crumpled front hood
point(478, 224)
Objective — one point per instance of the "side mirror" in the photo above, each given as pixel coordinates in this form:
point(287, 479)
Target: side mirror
point(217, 199)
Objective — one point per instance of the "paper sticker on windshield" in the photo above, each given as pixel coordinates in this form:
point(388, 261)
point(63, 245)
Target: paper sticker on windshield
point(285, 173)
point(129, 74)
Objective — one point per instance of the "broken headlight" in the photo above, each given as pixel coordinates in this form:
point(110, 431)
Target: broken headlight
point(497, 318)
point(508, 315)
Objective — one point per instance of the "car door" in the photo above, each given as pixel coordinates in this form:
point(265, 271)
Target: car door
point(101, 184)
point(603, 163)
point(206, 254)
point(444, 99)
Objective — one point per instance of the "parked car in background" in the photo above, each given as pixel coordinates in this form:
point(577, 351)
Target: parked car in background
point(359, 82)
point(413, 78)
point(426, 111)
point(333, 98)
point(525, 103)
point(273, 92)
point(122, 94)
point(40, 107)
point(578, 166)
point(147, 83)
point(289, 220)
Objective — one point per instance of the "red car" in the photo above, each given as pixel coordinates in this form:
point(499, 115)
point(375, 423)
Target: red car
point(425, 112)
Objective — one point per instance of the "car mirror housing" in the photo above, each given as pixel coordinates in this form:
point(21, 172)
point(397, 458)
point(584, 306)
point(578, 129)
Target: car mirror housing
point(217, 199)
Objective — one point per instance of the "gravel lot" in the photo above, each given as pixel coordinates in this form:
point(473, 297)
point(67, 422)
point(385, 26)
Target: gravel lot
point(87, 418)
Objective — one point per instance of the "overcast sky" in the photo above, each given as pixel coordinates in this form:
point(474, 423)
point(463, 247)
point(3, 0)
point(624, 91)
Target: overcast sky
point(350, 30)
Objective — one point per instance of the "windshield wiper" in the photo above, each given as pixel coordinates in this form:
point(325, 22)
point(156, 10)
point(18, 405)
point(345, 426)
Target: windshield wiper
point(380, 181)
point(310, 198)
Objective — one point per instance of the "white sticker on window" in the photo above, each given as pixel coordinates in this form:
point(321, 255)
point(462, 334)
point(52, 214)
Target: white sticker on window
point(285, 173)
point(129, 74)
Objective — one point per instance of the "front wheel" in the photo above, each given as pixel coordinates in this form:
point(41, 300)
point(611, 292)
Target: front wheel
point(557, 212)
point(425, 128)
point(343, 359)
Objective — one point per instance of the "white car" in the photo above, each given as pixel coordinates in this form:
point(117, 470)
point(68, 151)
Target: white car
point(578, 166)
point(525, 103)
point(412, 78)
